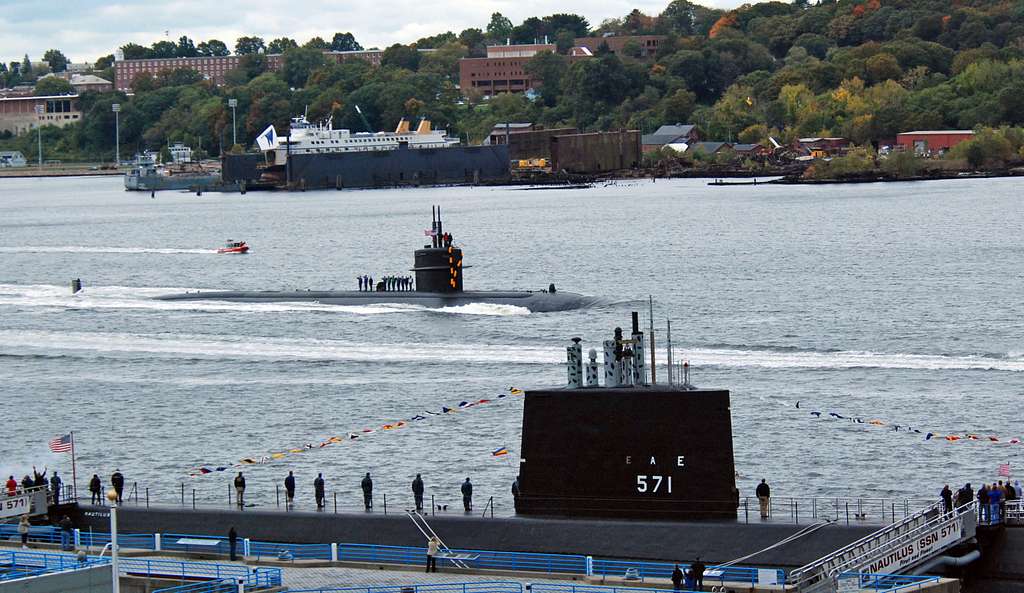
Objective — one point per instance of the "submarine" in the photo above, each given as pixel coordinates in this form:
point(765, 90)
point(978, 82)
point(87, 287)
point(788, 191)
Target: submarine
point(438, 273)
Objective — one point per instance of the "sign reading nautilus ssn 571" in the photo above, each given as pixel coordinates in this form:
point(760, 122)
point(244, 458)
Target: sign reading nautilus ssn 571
point(917, 549)
point(14, 506)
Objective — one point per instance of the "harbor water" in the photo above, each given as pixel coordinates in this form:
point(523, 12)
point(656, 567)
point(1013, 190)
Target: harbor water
point(897, 302)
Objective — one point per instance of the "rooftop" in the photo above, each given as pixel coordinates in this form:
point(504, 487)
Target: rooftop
point(937, 132)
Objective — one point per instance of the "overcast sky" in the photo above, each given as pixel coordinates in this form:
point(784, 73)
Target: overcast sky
point(87, 29)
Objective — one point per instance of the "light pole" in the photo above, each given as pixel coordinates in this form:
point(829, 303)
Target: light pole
point(116, 108)
point(232, 103)
point(39, 131)
point(112, 497)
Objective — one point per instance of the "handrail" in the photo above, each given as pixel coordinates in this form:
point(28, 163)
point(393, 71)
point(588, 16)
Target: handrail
point(798, 574)
point(885, 547)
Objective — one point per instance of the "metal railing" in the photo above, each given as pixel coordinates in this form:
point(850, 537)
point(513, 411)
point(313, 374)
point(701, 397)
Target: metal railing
point(199, 570)
point(295, 551)
point(480, 587)
point(663, 570)
point(574, 588)
point(42, 534)
point(889, 582)
point(20, 564)
point(481, 559)
point(959, 514)
point(837, 508)
point(1014, 511)
point(817, 568)
point(223, 586)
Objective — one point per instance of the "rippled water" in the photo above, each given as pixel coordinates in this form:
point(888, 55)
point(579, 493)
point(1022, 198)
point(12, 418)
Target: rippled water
point(898, 302)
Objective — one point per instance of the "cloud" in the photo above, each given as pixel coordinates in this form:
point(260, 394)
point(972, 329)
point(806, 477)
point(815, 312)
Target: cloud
point(87, 29)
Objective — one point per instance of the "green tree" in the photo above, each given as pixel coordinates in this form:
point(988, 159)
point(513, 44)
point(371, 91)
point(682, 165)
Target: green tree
point(249, 45)
point(548, 68)
point(317, 43)
point(186, 48)
point(134, 51)
point(678, 107)
point(213, 47)
point(104, 62)
point(281, 45)
point(26, 67)
point(57, 61)
point(345, 42)
point(882, 67)
point(51, 85)
point(401, 56)
point(163, 49)
point(299, 63)
point(500, 27)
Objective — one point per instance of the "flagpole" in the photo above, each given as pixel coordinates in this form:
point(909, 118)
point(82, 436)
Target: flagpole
point(74, 472)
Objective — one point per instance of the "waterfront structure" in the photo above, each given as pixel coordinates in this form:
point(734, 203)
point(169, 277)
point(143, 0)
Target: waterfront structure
point(924, 142)
point(502, 70)
point(12, 158)
point(18, 114)
point(670, 134)
point(526, 140)
point(215, 68)
point(597, 152)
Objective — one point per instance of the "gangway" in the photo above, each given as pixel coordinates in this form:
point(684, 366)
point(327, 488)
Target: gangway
point(893, 549)
point(421, 523)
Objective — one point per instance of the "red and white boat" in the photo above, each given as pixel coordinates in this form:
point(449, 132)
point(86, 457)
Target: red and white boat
point(234, 247)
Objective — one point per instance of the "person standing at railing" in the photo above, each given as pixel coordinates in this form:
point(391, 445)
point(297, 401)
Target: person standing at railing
point(947, 499)
point(39, 478)
point(23, 531)
point(117, 481)
point(698, 569)
point(764, 493)
point(233, 542)
point(417, 492)
point(240, 490)
point(367, 486)
point(984, 514)
point(12, 486)
point(318, 491)
point(26, 482)
point(95, 487)
point(995, 504)
point(677, 578)
point(66, 538)
point(433, 544)
point(55, 484)
point(467, 495)
point(289, 491)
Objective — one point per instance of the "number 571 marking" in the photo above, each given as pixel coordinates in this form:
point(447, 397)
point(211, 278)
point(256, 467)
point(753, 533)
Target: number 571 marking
point(652, 484)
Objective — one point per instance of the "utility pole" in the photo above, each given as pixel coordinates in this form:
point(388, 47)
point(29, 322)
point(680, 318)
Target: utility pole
point(232, 103)
point(116, 108)
point(39, 130)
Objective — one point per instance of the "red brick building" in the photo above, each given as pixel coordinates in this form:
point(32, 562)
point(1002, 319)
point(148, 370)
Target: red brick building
point(927, 142)
point(502, 70)
point(648, 44)
point(214, 68)
point(18, 114)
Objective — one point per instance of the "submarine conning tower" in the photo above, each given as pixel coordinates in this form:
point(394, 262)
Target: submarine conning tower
point(438, 266)
point(628, 448)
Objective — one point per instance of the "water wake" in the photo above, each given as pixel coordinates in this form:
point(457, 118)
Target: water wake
point(87, 249)
point(126, 297)
point(24, 343)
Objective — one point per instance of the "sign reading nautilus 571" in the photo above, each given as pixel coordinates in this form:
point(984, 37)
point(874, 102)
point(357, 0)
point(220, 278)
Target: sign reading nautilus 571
point(14, 505)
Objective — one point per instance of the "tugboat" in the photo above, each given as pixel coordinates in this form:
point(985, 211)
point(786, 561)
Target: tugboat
point(437, 283)
point(234, 247)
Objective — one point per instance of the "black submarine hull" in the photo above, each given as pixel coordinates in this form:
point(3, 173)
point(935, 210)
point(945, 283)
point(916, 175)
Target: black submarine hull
point(536, 302)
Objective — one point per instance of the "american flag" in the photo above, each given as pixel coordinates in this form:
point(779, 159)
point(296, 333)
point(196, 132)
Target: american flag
point(1004, 470)
point(61, 444)
point(430, 233)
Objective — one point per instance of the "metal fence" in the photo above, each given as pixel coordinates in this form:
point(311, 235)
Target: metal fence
point(845, 510)
point(663, 570)
point(481, 587)
point(21, 564)
point(888, 582)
